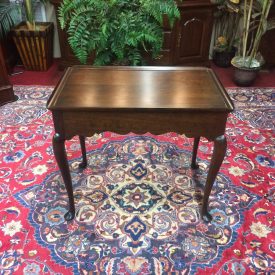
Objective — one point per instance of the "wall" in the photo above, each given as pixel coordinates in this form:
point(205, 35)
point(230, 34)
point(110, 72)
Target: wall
point(50, 16)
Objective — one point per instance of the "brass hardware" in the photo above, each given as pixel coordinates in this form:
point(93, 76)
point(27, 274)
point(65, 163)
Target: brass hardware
point(191, 20)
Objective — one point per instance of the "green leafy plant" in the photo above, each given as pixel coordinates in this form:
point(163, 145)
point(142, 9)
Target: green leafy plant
point(117, 31)
point(11, 14)
point(254, 25)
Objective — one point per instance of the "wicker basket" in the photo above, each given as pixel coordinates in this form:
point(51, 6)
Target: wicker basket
point(35, 47)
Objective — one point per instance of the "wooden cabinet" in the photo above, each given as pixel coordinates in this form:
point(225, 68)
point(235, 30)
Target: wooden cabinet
point(187, 43)
point(6, 90)
point(193, 34)
point(167, 53)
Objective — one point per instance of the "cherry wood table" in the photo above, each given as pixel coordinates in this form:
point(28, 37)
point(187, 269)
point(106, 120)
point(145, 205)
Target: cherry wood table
point(186, 100)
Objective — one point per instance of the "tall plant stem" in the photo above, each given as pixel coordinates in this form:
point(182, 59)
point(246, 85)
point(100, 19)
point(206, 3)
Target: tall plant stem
point(246, 19)
point(244, 28)
point(29, 14)
point(260, 30)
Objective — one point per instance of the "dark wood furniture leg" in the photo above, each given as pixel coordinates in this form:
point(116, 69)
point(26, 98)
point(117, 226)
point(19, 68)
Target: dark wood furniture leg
point(194, 164)
point(61, 159)
point(216, 161)
point(84, 163)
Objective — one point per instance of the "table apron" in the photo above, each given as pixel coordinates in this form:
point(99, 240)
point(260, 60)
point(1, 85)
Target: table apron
point(192, 124)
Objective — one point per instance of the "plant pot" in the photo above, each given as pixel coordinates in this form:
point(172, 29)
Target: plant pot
point(245, 77)
point(223, 58)
point(35, 47)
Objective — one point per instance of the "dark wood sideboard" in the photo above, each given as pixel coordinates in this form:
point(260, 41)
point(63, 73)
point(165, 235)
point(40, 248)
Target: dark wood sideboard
point(187, 43)
point(6, 90)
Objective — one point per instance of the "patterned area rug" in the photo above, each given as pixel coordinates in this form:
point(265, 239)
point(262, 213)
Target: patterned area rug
point(138, 201)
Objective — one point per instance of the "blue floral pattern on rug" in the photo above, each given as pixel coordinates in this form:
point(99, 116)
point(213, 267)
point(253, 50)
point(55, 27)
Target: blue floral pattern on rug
point(138, 208)
point(255, 106)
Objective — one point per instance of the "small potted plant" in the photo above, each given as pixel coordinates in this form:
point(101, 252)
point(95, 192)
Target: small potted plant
point(117, 32)
point(248, 61)
point(34, 40)
point(223, 52)
point(227, 19)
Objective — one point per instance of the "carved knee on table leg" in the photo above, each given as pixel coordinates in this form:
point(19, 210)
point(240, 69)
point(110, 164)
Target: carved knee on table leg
point(59, 149)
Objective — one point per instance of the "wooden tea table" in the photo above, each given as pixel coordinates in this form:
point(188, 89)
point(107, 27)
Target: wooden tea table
point(158, 100)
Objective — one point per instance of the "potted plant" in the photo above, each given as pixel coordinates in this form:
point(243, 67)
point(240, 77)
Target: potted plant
point(255, 23)
point(34, 40)
point(117, 32)
point(226, 24)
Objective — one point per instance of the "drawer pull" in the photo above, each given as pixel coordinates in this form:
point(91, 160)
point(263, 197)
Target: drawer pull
point(191, 20)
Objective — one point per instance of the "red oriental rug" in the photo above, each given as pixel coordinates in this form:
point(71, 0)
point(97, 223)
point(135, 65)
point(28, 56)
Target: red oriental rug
point(138, 201)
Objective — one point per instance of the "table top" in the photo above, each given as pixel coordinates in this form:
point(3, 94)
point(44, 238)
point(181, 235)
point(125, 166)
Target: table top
point(139, 88)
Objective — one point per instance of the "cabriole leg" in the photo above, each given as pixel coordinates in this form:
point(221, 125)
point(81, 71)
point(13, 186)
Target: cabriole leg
point(61, 159)
point(194, 164)
point(83, 164)
point(216, 161)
